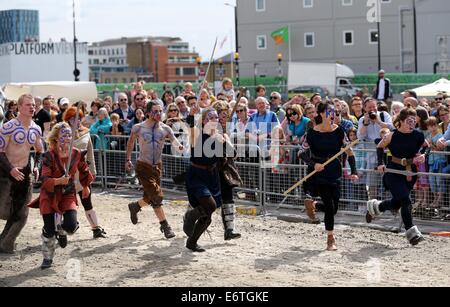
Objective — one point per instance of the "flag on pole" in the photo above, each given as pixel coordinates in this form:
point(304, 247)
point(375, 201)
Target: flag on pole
point(222, 43)
point(281, 36)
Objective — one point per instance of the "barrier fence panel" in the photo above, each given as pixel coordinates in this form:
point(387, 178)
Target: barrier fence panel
point(114, 160)
point(98, 157)
point(248, 164)
point(266, 180)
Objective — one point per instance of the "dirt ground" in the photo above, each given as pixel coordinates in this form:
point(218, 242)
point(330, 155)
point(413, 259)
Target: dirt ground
point(271, 253)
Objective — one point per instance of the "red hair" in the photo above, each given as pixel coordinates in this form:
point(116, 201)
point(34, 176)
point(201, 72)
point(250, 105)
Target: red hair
point(71, 113)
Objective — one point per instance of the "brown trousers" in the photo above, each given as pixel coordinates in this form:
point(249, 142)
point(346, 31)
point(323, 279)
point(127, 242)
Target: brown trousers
point(150, 178)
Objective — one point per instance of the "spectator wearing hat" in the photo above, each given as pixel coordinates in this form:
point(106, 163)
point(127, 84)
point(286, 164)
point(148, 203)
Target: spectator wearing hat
point(63, 106)
point(383, 88)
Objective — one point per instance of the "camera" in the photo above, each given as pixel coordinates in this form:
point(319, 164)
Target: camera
point(373, 115)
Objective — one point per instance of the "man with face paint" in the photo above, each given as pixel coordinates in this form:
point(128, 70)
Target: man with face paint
point(404, 144)
point(17, 137)
point(151, 135)
point(58, 199)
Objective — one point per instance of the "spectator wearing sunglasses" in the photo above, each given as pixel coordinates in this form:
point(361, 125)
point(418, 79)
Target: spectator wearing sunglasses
point(295, 129)
point(276, 106)
point(125, 112)
point(296, 124)
point(439, 100)
point(174, 120)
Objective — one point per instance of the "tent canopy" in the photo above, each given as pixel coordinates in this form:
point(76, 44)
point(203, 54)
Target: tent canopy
point(74, 91)
point(429, 90)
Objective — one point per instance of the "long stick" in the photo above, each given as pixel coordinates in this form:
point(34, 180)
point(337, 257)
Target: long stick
point(74, 127)
point(209, 65)
point(324, 164)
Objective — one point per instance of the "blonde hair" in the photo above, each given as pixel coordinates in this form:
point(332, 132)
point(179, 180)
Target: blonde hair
point(114, 116)
point(227, 80)
point(23, 97)
point(53, 136)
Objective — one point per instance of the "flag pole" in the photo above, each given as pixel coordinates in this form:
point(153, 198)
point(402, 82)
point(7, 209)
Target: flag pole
point(290, 54)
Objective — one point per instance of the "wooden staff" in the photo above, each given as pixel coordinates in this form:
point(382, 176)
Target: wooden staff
point(349, 146)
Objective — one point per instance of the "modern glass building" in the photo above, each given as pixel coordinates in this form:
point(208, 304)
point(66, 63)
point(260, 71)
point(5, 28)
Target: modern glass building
point(19, 26)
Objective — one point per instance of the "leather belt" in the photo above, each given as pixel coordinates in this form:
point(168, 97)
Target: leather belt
point(204, 167)
point(407, 163)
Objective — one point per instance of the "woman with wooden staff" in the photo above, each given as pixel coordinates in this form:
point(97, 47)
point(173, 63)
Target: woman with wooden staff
point(404, 144)
point(326, 140)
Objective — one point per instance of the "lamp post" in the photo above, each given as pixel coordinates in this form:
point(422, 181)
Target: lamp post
point(236, 61)
point(280, 70)
point(199, 64)
point(76, 71)
point(221, 72)
point(236, 35)
point(415, 36)
point(255, 65)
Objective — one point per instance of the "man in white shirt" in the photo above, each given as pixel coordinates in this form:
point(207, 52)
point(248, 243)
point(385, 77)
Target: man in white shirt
point(383, 89)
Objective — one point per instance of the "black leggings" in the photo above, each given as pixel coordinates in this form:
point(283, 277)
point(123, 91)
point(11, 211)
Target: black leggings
point(87, 202)
point(330, 195)
point(70, 223)
point(405, 205)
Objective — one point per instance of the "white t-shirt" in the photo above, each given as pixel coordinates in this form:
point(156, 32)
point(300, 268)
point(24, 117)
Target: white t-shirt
point(381, 89)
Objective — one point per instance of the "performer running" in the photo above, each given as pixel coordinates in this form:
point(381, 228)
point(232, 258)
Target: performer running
point(325, 140)
point(58, 199)
point(17, 137)
point(151, 134)
point(203, 181)
point(83, 143)
point(404, 144)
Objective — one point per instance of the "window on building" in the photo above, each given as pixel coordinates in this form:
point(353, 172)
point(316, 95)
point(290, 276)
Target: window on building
point(373, 37)
point(90, 62)
point(348, 38)
point(310, 40)
point(261, 42)
point(260, 5)
point(178, 71)
point(189, 71)
point(347, 2)
point(107, 80)
point(308, 3)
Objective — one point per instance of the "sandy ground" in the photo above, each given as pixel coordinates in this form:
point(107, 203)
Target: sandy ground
point(271, 253)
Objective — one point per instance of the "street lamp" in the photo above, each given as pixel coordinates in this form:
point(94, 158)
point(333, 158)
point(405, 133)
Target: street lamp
point(76, 71)
point(221, 72)
point(199, 64)
point(280, 69)
point(236, 61)
point(255, 74)
point(235, 25)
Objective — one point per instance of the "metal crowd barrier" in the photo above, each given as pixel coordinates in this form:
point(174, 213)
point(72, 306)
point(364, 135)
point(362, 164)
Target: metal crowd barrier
point(265, 180)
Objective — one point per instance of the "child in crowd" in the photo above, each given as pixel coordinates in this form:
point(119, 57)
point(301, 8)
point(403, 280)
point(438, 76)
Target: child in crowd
point(227, 89)
point(436, 163)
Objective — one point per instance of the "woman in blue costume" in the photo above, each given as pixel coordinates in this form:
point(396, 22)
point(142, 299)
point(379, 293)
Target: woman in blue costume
point(404, 144)
point(202, 180)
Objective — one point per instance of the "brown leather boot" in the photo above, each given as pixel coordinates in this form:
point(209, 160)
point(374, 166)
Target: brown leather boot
point(331, 244)
point(310, 206)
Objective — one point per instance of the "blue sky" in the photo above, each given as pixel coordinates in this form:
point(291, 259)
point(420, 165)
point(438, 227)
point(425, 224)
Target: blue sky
point(195, 21)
